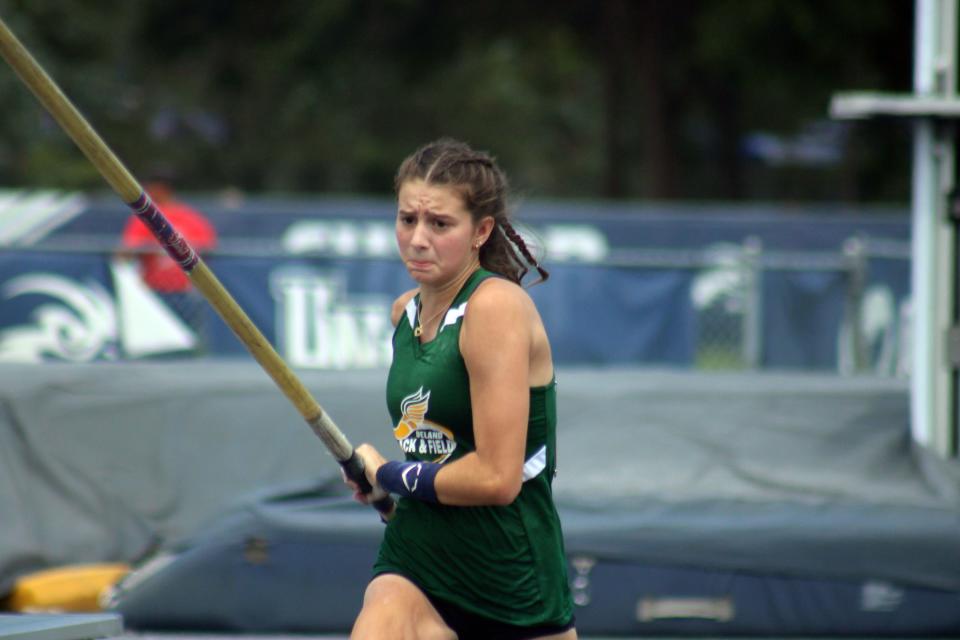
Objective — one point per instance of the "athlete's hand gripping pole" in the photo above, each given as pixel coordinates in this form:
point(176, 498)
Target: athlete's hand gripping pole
point(123, 183)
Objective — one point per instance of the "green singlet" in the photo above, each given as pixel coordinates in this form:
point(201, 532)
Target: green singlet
point(502, 562)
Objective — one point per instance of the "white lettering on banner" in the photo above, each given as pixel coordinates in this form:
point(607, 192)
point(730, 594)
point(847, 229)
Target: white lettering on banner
point(321, 327)
point(562, 242)
point(582, 242)
point(724, 281)
point(341, 237)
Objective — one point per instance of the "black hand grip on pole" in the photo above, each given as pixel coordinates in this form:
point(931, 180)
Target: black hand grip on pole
point(353, 467)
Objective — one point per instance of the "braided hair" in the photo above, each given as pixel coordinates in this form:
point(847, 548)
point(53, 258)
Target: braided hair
point(482, 185)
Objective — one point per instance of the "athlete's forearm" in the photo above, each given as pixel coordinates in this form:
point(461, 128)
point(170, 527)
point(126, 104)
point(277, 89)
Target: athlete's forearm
point(472, 481)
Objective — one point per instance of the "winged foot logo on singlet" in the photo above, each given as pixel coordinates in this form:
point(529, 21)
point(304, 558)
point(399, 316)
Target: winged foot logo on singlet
point(418, 436)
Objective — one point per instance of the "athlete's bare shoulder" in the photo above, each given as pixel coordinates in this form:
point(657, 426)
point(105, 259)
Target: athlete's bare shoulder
point(495, 291)
point(502, 312)
point(498, 303)
point(396, 311)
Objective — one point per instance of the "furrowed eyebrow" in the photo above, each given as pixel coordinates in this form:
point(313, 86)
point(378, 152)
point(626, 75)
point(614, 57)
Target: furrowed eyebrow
point(432, 214)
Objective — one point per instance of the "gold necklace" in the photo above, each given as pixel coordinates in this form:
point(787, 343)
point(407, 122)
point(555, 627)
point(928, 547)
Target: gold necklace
point(418, 330)
point(463, 277)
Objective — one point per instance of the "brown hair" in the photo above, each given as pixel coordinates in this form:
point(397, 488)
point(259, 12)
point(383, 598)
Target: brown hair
point(483, 186)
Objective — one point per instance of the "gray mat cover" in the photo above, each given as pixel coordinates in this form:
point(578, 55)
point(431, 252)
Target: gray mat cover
point(786, 473)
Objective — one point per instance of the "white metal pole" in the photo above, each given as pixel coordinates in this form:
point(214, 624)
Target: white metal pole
point(946, 250)
point(923, 190)
point(932, 270)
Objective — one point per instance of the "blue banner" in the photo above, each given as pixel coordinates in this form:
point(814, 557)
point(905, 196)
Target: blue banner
point(605, 315)
point(333, 311)
point(802, 312)
point(318, 313)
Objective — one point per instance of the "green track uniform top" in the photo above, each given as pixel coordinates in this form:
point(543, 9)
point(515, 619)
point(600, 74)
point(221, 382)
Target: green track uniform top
point(502, 562)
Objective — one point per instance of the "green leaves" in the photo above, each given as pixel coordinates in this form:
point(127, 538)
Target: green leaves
point(576, 98)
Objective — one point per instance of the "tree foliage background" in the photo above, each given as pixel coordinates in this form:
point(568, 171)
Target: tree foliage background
point(708, 99)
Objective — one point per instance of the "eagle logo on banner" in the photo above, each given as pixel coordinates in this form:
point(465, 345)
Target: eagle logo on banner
point(79, 321)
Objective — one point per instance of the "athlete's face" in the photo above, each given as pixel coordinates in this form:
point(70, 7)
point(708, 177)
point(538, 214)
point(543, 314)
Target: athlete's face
point(435, 233)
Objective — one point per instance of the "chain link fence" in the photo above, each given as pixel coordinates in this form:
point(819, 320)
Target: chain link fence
point(728, 297)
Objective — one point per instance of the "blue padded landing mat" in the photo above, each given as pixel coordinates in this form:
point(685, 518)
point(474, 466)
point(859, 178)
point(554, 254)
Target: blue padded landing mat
point(299, 562)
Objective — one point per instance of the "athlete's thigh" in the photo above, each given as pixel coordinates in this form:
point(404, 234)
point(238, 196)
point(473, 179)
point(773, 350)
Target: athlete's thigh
point(394, 607)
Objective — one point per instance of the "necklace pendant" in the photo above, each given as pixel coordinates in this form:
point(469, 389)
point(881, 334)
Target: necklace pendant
point(417, 331)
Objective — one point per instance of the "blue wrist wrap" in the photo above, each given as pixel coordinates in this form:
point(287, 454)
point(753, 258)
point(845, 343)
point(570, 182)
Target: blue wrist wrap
point(412, 479)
